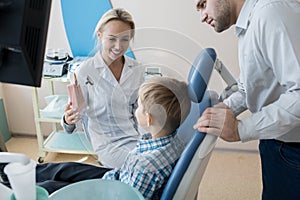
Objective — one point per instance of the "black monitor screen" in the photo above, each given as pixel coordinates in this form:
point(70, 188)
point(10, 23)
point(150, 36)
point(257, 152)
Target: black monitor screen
point(23, 34)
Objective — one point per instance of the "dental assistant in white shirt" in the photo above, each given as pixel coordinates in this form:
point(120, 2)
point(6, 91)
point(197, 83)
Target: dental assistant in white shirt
point(269, 87)
point(109, 82)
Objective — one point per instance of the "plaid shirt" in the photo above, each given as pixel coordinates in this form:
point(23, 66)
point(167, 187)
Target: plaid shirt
point(149, 165)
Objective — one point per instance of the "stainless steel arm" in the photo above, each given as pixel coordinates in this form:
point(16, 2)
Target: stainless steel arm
point(228, 78)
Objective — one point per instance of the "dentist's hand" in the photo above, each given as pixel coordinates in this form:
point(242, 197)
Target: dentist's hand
point(220, 121)
point(71, 116)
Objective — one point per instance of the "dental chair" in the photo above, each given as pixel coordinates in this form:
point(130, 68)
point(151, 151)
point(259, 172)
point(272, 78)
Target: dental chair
point(185, 179)
point(189, 169)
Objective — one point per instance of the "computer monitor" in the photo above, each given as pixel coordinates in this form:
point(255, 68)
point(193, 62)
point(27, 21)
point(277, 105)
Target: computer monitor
point(23, 34)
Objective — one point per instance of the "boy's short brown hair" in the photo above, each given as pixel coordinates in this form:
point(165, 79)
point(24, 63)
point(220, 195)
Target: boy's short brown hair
point(167, 100)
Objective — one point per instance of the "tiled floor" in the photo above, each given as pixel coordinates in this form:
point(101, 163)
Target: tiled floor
point(230, 175)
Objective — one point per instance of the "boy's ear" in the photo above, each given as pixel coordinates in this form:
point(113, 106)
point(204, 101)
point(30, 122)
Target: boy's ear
point(149, 119)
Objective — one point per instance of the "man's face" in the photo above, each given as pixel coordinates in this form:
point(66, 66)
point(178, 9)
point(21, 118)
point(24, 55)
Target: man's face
point(216, 13)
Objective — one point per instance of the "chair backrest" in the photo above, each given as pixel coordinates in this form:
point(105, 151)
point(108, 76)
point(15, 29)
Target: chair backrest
point(188, 171)
point(80, 19)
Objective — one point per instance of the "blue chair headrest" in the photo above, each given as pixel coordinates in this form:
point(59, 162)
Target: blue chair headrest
point(200, 74)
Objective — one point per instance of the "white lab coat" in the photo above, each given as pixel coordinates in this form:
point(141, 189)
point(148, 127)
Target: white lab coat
point(110, 107)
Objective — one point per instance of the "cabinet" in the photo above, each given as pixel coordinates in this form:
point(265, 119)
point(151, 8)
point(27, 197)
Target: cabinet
point(58, 140)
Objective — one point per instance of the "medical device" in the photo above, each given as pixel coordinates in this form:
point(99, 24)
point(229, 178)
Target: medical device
point(23, 34)
point(7, 158)
point(21, 173)
point(227, 77)
point(56, 62)
point(187, 174)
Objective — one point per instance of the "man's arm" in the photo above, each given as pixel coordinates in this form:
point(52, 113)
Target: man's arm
point(280, 47)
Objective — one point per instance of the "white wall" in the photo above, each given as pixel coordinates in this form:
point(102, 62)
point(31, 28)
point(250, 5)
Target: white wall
point(171, 28)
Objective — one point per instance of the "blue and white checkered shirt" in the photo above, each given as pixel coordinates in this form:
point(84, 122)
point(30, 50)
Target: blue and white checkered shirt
point(149, 165)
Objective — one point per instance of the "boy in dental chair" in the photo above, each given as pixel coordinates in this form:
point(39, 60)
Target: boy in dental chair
point(163, 105)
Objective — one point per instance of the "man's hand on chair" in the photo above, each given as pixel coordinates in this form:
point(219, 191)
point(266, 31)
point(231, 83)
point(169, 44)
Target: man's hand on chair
point(220, 121)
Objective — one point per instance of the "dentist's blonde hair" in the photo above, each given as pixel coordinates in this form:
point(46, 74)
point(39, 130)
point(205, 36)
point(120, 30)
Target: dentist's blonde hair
point(115, 14)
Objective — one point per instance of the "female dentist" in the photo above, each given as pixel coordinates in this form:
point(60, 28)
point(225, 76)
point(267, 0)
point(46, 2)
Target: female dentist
point(109, 82)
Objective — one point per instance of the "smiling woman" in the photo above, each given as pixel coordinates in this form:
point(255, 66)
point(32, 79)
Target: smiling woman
point(115, 37)
point(112, 98)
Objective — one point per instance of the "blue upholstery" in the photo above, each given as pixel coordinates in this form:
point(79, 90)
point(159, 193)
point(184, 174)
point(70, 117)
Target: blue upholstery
point(197, 83)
